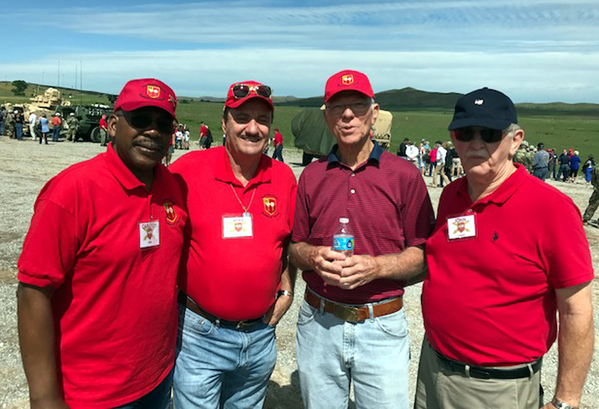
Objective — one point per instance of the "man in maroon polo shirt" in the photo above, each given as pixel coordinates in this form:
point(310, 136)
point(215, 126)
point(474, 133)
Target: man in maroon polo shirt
point(499, 272)
point(351, 326)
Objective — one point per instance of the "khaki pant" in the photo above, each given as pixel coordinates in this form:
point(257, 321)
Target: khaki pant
point(440, 169)
point(440, 388)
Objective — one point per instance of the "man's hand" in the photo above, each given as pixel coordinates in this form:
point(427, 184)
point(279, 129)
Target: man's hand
point(278, 309)
point(357, 270)
point(325, 262)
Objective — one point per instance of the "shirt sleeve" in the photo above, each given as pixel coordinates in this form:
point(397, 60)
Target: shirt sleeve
point(50, 247)
point(301, 229)
point(417, 212)
point(566, 252)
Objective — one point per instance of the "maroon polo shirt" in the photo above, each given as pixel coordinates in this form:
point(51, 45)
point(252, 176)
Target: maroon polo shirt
point(388, 207)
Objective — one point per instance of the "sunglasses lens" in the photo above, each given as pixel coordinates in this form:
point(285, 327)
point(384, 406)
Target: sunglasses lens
point(264, 91)
point(464, 134)
point(486, 134)
point(241, 90)
point(144, 121)
point(491, 135)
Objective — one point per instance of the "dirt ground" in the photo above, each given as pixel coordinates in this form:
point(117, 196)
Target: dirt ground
point(26, 166)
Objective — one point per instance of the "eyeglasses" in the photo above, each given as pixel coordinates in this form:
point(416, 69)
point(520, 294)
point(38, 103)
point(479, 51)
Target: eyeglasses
point(358, 108)
point(486, 134)
point(243, 90)
point(144, 120)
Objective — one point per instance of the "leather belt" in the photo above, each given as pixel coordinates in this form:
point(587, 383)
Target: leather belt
point(243, 325)
point(353, 313)
point(481, 372)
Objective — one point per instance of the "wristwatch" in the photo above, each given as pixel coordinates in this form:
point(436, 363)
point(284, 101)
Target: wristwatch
point(562, 405)
point(285, 293)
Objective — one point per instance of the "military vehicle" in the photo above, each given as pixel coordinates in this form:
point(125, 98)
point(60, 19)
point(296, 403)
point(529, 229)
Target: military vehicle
point(89, 118)
point(313, 137)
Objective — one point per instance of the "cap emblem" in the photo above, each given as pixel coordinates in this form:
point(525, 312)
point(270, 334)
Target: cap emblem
point(347, 79)
point(153, 91)
point(479, 101)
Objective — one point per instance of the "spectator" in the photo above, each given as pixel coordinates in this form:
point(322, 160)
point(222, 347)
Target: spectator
point(574, 166)
point(56, 125)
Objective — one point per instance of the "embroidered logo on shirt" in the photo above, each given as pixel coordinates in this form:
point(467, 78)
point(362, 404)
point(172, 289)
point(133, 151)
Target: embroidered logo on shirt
point(170, 213)
point(270, 205)
point(152, 91)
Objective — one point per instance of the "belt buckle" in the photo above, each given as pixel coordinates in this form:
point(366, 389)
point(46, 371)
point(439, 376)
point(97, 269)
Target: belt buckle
point(349, 314)
point(241, 325)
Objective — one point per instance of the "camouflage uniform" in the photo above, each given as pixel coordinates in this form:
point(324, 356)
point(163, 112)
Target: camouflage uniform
point(594, 200)
point(73, 124)
point(521, 156)
point(10, 125)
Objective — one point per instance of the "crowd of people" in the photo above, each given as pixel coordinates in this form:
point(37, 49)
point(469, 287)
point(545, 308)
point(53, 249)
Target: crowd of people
point(136, 279)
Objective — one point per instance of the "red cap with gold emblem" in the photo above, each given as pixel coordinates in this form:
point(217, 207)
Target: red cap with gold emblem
point(146, 92)
point(347, 80)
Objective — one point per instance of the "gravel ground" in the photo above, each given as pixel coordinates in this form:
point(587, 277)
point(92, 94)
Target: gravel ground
point(26, 166)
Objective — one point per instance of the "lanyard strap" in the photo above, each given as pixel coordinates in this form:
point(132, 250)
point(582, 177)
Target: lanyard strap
point(245, 209)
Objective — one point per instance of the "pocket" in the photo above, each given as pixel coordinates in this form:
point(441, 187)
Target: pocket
point(394, 324)
point(194, 323)
point(306, 313)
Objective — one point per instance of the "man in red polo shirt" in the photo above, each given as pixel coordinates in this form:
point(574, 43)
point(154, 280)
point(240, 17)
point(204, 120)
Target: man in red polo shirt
point(97, 298)
point(498, 273)
point(234, 278)
point(351, 326)
point(278, 144)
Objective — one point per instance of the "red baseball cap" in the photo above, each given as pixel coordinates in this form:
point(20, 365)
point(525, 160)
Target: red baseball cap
point(147, 92)
point(243, 91)
point(347, 80)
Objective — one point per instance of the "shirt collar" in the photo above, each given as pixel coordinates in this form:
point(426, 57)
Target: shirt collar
point(124, 175)
point(375, 154)
point(502, 193)
point(224, 172)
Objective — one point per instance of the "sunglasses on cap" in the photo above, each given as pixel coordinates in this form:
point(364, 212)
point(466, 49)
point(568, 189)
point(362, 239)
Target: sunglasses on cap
point(143, 120)
point(243, 90)
point(486, 134)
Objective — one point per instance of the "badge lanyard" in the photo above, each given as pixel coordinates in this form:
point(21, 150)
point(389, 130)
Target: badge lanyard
point(238, 227)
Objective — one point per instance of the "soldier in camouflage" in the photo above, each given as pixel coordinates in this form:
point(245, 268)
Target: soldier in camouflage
point(594, 200)
point(9, 122)
point(521, 156)
point(73, 124)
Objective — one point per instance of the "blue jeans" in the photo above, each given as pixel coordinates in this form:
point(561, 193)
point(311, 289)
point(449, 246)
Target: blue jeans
point(1, 127)
point(19, 129)
point(374, 354)
point(55, 133)
point(158, 398)
point(278, 153)
point(220, 367)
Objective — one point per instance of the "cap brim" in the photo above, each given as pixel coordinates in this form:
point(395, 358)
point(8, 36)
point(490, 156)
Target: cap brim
point(491, 123)
point(133, 105)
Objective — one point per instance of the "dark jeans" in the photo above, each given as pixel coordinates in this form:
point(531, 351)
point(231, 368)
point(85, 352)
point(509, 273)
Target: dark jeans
point(19, 129)
point(1, 127)
point(158, 398)
point(55, 133)
point(564, 170)
point(44, 135)
point(278, 153)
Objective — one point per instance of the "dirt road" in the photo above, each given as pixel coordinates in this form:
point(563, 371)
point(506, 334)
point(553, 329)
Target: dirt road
point(26, 166)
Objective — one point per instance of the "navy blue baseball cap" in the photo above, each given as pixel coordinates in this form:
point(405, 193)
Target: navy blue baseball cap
point(484, 107)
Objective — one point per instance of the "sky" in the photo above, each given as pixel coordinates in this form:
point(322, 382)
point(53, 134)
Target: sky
point(532, 50)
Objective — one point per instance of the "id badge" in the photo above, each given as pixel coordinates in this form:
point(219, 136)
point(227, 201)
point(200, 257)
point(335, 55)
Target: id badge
point(238, 226)
point(149, 234)
point(461, 227)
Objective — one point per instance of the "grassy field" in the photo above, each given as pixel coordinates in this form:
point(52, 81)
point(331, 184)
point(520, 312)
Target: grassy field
point(559, 126)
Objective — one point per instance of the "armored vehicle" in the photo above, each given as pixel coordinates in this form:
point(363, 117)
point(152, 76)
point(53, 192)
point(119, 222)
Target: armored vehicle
point(313, 137)
point(89, 118)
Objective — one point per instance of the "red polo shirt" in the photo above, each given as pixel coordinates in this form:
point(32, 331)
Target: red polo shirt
point(388, 208)
point(278, 139)
point(490, 300)
point(114, 304)
point(234, 278)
